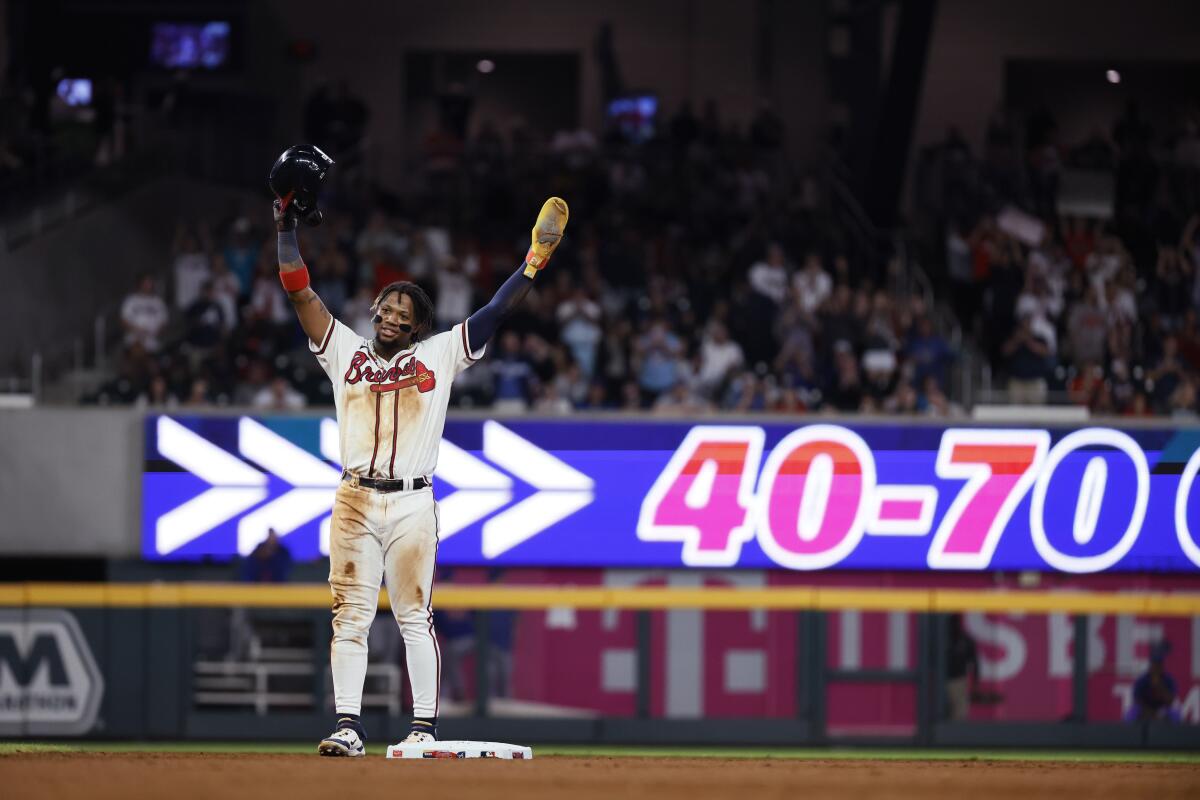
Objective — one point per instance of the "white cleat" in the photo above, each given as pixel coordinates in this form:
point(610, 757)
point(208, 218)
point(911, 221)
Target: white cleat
point(342, 742)
point(419, 737)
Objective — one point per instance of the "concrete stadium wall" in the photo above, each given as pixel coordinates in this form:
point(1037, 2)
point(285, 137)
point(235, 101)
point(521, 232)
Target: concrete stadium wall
point(68, 482)
point(62, 280)
point(964, 78)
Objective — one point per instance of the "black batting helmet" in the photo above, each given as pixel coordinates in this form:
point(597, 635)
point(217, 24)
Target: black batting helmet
point(297, 177)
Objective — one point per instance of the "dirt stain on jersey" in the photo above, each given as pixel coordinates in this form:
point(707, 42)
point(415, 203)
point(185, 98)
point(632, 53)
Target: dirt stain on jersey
point(358, 418)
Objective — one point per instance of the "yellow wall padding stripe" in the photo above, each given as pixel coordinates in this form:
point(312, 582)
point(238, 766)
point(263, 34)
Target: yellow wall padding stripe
point(777, 598)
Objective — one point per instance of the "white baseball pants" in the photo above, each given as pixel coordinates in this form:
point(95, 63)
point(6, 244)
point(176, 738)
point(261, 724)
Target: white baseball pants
point(373, 535)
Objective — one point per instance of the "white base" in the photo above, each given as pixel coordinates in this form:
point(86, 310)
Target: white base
point(461, 749)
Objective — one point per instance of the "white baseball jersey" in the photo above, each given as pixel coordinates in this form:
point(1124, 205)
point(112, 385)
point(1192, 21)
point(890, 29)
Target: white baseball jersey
point(391, 413)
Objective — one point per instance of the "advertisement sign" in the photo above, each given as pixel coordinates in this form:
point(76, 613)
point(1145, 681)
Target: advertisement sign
point(649, 494)
point(49, 682)
point(740, 664)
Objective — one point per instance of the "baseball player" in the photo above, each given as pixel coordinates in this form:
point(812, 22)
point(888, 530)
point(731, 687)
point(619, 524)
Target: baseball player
point(391, 394)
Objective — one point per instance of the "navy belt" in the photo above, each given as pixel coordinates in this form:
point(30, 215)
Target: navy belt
point(384, 485)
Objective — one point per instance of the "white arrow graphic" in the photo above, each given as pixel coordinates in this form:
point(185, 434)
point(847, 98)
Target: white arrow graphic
point(569, 490)
point(237, 486)
point(315, 481)
point(481, 489)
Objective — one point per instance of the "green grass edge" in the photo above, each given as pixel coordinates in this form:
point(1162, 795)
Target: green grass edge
point(592, 751)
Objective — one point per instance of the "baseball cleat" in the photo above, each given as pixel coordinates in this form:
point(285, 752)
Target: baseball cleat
point(419, 737)
point(342, 742)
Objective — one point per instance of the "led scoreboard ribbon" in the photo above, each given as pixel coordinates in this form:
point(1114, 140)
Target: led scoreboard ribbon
point(651, 494)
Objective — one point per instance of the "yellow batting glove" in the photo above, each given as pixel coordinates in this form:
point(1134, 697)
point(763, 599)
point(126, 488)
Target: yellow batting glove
point(547, 233)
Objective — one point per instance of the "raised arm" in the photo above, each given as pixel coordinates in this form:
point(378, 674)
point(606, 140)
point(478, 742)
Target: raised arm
point(547, 233)
point(314, 318)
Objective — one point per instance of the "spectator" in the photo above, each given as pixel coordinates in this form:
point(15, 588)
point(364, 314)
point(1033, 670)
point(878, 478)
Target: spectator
point(452, 302)
point(1027, 353)
point(1166, 376)
point(278, 395)
point(811, 285)
point(513, 375)
point(225, 292)
point(658, 351)
point(769, 277)
point(719, 357)
point(962, 668)
point(144, 315)
point(1154, 691)
point(191, 267)
point(1087, 328)
point(847, 392)
point(928, 353)
point(680, 400)
point(241, 255)
point(205, 320)
point(269, 562)
point(579, 325)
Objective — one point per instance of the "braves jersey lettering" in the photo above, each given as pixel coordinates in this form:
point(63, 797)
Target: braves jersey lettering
point(391, 414)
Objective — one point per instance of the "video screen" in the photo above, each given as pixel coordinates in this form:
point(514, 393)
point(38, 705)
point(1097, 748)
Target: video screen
point(190, 45)
point(75, 91)
point(634, 116)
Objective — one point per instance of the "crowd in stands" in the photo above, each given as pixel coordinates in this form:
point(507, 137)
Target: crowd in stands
point(1069, 302)
point(697, 276)
point(700, 274)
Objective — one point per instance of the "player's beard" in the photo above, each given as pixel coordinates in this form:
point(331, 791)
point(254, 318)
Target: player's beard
point(388, 347)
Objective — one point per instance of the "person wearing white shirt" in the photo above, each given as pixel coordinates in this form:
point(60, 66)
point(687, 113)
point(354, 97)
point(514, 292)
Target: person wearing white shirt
point(811, 285)
point(719, 356)
point(279, 396)
point(769, 278)
point(144, 315)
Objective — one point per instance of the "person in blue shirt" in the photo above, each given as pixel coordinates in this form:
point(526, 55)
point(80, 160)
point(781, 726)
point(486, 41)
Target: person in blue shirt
point(1154, 691)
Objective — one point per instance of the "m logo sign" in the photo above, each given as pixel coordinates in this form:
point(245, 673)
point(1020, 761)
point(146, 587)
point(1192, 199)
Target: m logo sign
point(49, 683)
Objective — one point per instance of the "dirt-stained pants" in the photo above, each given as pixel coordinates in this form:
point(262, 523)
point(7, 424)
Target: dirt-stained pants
point(374, 534)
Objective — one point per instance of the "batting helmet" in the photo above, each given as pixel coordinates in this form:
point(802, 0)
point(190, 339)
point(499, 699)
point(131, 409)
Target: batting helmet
point(296, 180)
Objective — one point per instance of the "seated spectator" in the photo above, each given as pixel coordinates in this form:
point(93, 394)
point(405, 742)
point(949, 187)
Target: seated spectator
point(904, 400)
point(681, 400)
point(551, 401)
point(205, 320)
point(278, 395)
point(719, 357)
point(846, 394)
point(144, 315)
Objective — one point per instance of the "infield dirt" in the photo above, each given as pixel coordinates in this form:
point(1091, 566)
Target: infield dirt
point(72, 776)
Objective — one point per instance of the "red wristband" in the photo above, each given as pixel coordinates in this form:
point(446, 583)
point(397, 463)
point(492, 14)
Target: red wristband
point(536, 261)
point(294, 280)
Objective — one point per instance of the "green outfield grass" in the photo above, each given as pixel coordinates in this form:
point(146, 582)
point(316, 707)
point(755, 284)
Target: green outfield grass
point(586, 751)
